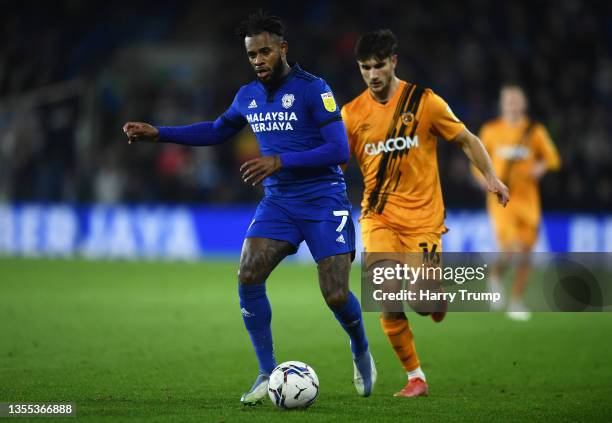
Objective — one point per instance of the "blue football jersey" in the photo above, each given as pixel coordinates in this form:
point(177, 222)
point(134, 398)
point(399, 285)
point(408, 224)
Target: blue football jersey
point(287, 119)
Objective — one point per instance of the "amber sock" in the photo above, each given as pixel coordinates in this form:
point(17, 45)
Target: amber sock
point(520, 280)
point(400, 336)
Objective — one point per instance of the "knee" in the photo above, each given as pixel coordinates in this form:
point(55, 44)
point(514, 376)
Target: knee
point(336, 298)
point(393, 315)
point(249, 275)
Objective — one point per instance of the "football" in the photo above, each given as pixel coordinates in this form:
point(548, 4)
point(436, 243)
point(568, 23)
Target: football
point(293, 384)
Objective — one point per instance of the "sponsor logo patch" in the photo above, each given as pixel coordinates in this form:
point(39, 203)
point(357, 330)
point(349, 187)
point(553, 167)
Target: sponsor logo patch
point(390, 145)
point(329, 102)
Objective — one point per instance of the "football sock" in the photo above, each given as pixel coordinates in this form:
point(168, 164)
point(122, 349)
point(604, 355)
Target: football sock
point(349, 316)
point(494, 284)
point(416, 373)
point(257, 316)
point(400, 336)
point(520, 280)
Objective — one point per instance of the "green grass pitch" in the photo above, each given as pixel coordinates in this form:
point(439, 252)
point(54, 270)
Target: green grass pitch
point(154, 341)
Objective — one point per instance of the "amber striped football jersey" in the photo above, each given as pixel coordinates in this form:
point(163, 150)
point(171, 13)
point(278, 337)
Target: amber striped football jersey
point(395, 146)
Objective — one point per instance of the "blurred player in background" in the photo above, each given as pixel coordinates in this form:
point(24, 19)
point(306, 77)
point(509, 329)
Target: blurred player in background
point(522, 152)
point(302, 140)
point(393, 127)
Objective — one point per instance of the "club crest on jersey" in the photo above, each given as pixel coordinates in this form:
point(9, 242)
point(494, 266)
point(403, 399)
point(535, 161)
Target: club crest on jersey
point(328, 101)
point(407, 118)
point(288, 100)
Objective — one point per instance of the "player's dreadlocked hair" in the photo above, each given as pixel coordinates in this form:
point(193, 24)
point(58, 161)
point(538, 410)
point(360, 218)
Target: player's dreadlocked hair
point(379, 44)
point(259, 22)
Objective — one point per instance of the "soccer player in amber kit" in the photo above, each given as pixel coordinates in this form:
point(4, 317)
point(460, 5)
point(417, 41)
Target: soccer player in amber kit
point(303, 141)
point(522, 152)
point(393, 127)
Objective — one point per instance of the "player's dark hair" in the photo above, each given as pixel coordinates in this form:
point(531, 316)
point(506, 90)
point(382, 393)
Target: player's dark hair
point(378, 44)
point(258, 22)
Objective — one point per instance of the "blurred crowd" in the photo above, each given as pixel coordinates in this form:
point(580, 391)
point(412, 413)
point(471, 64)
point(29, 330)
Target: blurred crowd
point(71, 73)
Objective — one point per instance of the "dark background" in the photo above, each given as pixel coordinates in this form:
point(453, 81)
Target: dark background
point(71, 73)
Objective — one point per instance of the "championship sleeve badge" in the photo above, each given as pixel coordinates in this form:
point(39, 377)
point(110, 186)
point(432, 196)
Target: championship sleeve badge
point(329, 102)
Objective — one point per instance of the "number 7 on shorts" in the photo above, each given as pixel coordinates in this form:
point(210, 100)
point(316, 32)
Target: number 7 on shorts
point(344, 214)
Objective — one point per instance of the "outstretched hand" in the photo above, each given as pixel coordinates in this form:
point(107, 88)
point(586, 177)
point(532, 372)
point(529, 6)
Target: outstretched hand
point(140, 132)
point(498, 188)
point(256, 170)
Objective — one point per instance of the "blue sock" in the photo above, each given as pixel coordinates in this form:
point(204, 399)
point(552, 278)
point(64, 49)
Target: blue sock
point(257, 316)
point(349, 316)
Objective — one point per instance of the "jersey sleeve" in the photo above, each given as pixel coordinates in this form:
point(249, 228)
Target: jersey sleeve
point(232, 116)
point(321, 103)
point(444, 123)
point(545, 148)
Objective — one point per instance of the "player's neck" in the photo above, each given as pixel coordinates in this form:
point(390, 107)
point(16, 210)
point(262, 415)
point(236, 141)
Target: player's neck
point(387, 94)
point(513, 120)
point(286, 69)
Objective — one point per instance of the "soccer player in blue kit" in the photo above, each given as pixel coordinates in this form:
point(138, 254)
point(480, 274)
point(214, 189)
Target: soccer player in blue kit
point(303, 141)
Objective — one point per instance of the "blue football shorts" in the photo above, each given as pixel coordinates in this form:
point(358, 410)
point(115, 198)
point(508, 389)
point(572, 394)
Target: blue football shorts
point(325, 223)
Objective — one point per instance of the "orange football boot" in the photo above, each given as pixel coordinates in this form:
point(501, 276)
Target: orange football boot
point(416, 387)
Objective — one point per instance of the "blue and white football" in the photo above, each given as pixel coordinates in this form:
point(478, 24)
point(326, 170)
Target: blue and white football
point(293, 384)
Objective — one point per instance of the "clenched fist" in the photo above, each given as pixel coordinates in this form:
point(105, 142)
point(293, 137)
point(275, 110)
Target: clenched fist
point(140, 132)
